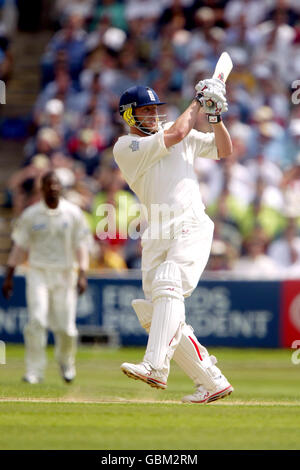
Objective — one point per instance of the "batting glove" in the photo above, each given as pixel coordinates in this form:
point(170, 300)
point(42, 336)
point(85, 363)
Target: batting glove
point(211, 85)
point(213, 103)
point(211, 96)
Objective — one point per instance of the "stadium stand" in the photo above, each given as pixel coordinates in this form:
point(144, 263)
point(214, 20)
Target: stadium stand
point(62, 109)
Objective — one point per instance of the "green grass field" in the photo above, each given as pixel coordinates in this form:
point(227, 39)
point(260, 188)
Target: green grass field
point(103, 409)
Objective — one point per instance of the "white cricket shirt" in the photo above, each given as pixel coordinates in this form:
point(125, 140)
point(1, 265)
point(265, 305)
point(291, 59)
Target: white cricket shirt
point(164, 176)
point(51, 236)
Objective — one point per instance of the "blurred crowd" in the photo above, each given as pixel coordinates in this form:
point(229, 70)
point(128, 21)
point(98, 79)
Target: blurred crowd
point(100, 48)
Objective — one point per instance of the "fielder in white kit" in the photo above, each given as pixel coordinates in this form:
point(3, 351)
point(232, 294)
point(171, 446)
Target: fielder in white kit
point(54, 236)
point(156, 160)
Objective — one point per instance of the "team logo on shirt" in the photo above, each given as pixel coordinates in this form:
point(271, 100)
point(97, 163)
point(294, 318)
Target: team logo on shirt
point(134, 146)
point(38, 227)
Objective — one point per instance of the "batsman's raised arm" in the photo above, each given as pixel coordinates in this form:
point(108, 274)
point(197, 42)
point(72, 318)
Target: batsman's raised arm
point(210, 99)
point(222, 140)
point(183, 125)
point(211, 94)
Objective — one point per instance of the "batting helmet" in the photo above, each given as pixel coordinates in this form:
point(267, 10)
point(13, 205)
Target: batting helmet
point(136, 97)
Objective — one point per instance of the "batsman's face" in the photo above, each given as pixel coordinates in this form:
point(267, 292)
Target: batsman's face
point(148, 117)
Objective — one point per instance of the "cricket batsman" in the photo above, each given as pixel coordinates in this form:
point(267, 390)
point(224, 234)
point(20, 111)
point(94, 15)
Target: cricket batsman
point(156, 159)
point(54, 237)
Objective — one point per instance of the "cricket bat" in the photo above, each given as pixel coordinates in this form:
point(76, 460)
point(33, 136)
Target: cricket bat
point(223, 67)
point(222, 70)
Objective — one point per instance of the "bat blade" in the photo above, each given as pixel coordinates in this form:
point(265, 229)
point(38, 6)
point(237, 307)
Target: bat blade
point(222, 70)
point(223, 67)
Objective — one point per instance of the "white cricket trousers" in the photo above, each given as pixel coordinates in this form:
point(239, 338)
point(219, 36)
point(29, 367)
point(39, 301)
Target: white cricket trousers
point(51, 301)
point(189, 249)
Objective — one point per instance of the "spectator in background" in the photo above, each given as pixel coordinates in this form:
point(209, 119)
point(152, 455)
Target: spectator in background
point(178, 9)
point(72, 40)
point(112, 210)
point(290, 187)
point(210, 178)
point(109, 256)
point(86, 147)
point(111, 76)
point(23, 186)
point(277, 40)
point(255, 263)
point(46, 142)
point(94, 95)
point(271, 143)
point(150, 10)
point(54, 111)
point(63, 8)
point(60, 88)
point(95, 43)
point(241, 184)
point(53, 117)
point(285, 250)
point(266, 210)
point(200, 44)
point(194, 72)
point(270, 92)
point(114, 11)
point(293, 143)
point(220, 257)
point(241, 77)
point(99, 121)
point(77, 186)
point(113, 207)
point(253, 11)
point(168, 72)
point(227, 231)
point(133, 254)
point(229, 208)
point(93, 107)
point(217, 6)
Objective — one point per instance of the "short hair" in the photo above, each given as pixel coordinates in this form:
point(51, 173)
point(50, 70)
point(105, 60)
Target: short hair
point(48, 175)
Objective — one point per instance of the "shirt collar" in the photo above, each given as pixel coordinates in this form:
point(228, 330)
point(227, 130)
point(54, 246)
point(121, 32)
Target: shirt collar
point(50, 211)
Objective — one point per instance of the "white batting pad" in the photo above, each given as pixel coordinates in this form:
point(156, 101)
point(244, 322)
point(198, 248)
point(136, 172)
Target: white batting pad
point(144, 310)
point(168, 316)
point(191, 356)
point(165, 332)
point(167, 282)
point(194, 360)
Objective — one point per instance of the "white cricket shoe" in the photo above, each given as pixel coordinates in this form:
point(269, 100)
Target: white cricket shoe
point(145, 373)
point(32, 379)
point(202, 395)
point(68, 373)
